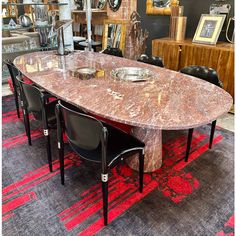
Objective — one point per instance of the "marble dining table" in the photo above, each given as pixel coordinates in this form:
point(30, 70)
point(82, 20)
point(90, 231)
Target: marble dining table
point(168, 100)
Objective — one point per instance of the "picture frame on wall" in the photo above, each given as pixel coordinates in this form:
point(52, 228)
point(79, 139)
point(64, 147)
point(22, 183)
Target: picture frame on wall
point(208, 29)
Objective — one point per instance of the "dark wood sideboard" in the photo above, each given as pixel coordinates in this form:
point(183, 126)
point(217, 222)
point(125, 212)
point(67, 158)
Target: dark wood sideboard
point(178, 54)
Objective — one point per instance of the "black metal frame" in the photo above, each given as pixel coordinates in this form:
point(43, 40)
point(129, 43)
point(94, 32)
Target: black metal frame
point(43, 98)
point(105, 165)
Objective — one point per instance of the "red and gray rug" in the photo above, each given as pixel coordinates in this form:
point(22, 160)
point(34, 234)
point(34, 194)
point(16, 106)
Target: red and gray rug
point(196, 198)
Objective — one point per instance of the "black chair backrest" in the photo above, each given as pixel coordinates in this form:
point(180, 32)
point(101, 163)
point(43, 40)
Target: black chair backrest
point(113, 51)
point(82, 130)
point(203, 72)
point(31, 97)
point(156, 61)
point(13, 72)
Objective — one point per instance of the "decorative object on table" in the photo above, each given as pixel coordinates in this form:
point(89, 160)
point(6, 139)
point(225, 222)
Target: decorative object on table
point(133, 74)
point(25, 21)
point(84, 73)
point(43, 36)
point(177, 23)
point(230, 30)
point(12, 24)
point(101, 4)
point(59, 31)
point(160, 7)
point(41, 15)
point(41, 21)
point(114, 4)
point(178, 27)
point(53, 41)
point(221, 7)
point(114, 32)
point(137, 36)
point(176, 11)
point(209, 28)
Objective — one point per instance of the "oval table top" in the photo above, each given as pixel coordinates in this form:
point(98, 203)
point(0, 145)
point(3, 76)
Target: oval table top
point(169, 100)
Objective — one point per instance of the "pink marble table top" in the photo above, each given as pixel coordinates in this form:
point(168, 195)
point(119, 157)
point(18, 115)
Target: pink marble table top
point(169, 100)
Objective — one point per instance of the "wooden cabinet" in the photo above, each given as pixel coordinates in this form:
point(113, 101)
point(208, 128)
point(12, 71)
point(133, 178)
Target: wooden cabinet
point(178, 54)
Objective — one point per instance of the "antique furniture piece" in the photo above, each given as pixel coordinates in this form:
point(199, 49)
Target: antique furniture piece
point(156, 104)
point(114, 33)
point(35, 101)
point(208, 29)
point(160, 7)
point(177, 55)
point(210, 76)
point(96, 142)
point(114, 4)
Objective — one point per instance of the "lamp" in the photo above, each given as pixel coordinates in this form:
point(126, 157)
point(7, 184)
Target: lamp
point(58, 29)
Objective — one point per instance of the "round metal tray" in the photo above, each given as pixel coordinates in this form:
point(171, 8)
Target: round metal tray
point(133, 74)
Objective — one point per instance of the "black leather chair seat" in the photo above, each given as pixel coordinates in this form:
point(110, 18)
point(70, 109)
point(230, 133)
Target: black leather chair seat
point(117, 141)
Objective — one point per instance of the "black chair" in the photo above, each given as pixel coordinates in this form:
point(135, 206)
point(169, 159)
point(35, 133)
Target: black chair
point(16, 89)
point(96, 142)
point(113, 51)
point(36, 101)
point(211, 76)
point(156, 61)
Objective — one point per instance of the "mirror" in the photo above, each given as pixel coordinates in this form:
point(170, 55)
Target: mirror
point(114, 4)
point(114, 34)
point(160, 7)
point(101, 4)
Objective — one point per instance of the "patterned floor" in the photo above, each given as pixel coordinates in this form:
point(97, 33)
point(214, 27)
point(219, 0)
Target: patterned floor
point(196, 198)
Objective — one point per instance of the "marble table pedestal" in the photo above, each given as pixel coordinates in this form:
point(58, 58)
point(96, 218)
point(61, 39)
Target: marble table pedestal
point(153, 149)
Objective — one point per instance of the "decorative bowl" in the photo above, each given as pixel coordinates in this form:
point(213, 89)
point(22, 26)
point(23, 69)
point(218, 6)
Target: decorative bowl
point(84, 73)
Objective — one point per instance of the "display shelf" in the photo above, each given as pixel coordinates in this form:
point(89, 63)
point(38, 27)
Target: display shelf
point(93, 11)
point(19, 27)
point(47, 48)
point(33, 4)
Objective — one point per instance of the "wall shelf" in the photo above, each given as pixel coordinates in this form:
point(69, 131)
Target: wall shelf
point(93, 11)
point(34, 4)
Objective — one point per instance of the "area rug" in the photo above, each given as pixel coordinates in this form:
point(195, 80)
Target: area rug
point(194, 198)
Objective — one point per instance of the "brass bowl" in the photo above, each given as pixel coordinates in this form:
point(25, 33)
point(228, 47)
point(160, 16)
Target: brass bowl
point(84, 73)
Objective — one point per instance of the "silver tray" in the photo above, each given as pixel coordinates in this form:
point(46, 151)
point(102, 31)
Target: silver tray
point(133, 74)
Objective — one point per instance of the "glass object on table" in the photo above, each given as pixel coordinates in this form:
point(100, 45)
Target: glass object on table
point(12, 24)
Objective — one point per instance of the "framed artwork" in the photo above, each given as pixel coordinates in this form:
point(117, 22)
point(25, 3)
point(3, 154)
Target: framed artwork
point(159, 7)
point(208, 29)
